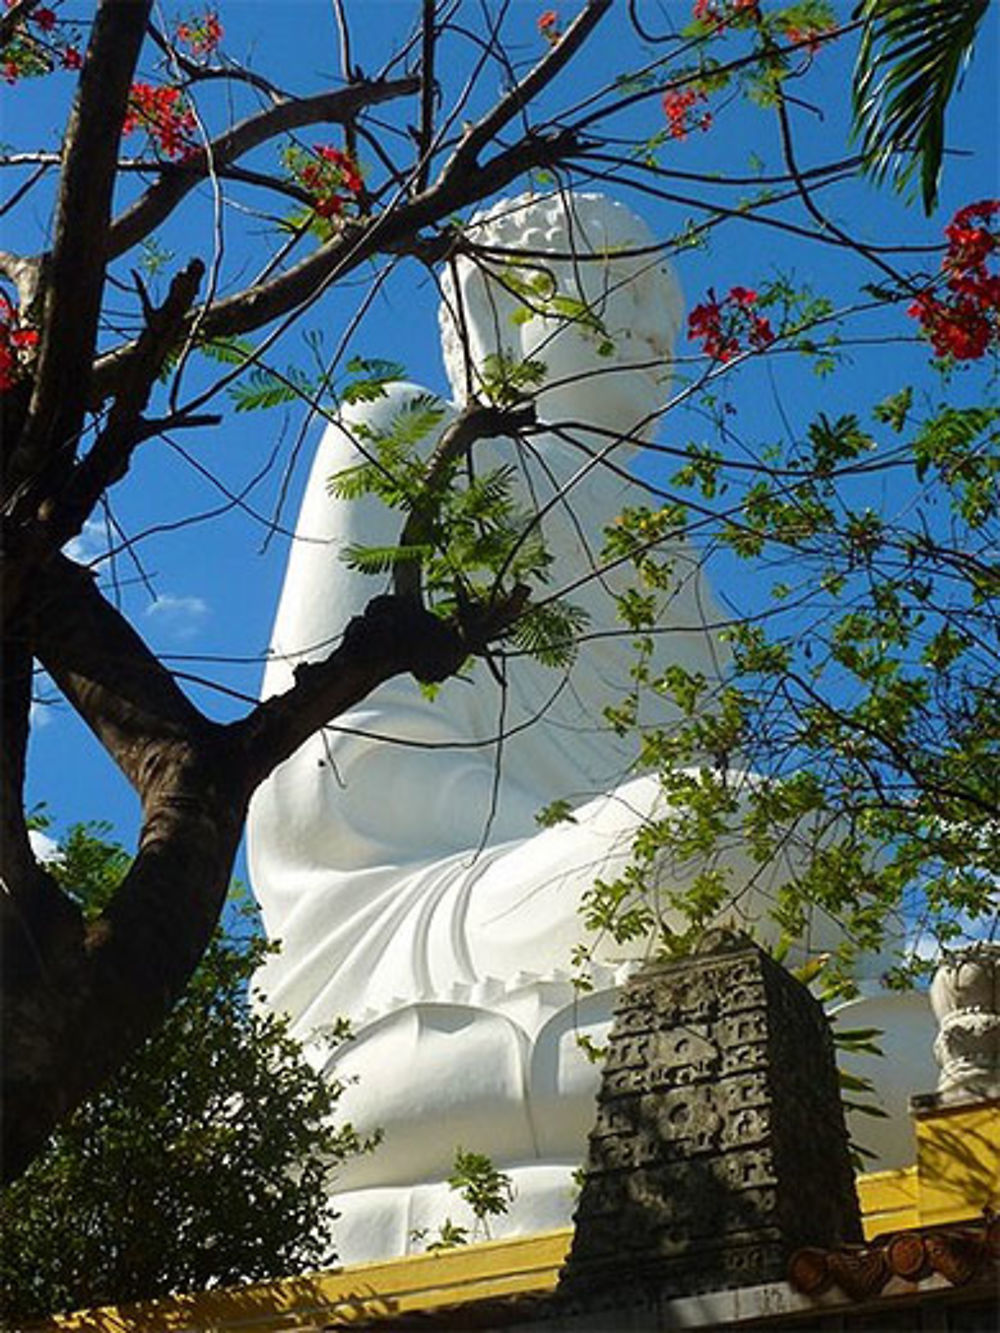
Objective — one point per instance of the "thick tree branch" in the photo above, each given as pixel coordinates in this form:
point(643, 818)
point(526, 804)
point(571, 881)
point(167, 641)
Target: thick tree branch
point(392, 637)
point(75, 286)
point(428, 94)
point(117, 685)
point(391, 232)
point(175, 181)
point(79, 1001)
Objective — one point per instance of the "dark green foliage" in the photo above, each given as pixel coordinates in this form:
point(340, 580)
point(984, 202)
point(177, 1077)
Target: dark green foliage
point(478, 541)
point(911, 57)
point(206, 1161)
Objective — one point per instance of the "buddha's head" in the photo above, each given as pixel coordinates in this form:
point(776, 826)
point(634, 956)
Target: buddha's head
point(577, 283)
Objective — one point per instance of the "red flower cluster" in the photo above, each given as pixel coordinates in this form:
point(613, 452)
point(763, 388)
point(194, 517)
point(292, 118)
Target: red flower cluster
point(165, 116)
point(809, 35)
point(721, 325)
point(34, 47)
point(722, 12)
point(14, 341)
point(201, 35)
point(677, 106)
point(964, 323)
point(548, 25)
point(331, 177)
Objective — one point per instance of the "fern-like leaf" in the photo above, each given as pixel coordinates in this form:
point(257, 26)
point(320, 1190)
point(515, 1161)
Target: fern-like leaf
point(382, 559)
point(413, 422)
point(266, 388)
point(549, 633)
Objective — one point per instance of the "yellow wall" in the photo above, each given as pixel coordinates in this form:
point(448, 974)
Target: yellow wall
point(956, 1175)
point(958, 1162)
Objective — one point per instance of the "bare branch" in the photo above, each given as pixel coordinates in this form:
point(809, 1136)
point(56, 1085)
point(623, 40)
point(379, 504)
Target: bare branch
point(108, 459)
point(428, 95)
point(177, 180)
point(196, 73)
point(559, 54)
point(395, 231)
point(24, 188)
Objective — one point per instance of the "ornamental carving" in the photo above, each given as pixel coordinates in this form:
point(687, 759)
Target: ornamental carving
point(718, 1147)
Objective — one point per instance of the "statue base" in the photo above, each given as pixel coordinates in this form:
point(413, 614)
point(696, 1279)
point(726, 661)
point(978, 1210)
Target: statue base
point(720, 1146)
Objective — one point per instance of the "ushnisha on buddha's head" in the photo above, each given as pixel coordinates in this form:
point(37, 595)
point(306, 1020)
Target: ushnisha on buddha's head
point(577, 283)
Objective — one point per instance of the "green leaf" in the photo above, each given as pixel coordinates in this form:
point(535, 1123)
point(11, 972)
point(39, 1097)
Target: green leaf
point(264, 388)
point(549, 633)
point(230, 351)
point(895, 409)
point(382, 559)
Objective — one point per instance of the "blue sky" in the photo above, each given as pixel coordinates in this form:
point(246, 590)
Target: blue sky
point(210, 579)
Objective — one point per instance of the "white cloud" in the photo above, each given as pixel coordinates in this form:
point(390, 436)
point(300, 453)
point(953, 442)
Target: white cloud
point(92, 543)
point(178, 617)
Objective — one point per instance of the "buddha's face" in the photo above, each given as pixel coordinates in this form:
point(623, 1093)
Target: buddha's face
point(601, 320)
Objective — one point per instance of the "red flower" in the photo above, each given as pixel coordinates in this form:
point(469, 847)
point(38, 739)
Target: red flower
point(677, 103)
point(163, 114)
point(547, 21)
point(350, 177)
point(201, 35)
point(13, 340)
point(963, 323)
point(45, 18)
point(331, 206)
point(808, 35)
point(329, 175)
point(761, 333)
point(722, 13)
point(720, 325)
point(70, 58)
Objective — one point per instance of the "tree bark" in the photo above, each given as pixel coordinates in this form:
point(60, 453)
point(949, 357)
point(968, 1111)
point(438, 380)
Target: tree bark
point(79, 997)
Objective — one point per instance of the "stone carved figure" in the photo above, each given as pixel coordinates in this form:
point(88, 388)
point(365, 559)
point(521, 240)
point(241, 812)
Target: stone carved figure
point(397, 855)
point(965, 997)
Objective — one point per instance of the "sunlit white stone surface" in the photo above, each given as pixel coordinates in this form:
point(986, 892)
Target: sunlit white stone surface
point(415, 893)
point(965, 997)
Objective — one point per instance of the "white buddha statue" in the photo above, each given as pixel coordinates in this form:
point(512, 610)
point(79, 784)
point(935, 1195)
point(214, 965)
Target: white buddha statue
point(397, 854)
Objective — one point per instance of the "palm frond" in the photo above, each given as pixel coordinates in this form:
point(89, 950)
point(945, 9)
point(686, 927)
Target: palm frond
point(911, 58)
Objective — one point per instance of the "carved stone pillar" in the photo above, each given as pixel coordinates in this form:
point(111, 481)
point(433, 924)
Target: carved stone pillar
point(720, 1146)
point(965, 997)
